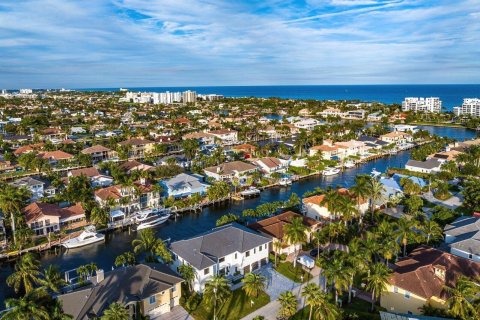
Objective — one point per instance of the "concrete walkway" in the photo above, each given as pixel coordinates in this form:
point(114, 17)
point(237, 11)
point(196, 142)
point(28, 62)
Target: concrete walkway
point(451, 203)
point(177, 313)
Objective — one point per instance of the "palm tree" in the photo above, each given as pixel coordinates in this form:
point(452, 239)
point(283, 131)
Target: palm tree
point(147, 243)
point(216, 291)
point(115, 311)
point(52, 279)
point(311, 292)
point(253, 284)
point(347, 209)
point(324, 309)
point(357, 261)
point(12, 200)
point(360, 190)
point(26, 307)
point(288, 303)
point(295, 233)
point(377, 281)
point(432, 230)
point(338, 272)
point(26, 273)
point(277, 245)
point(188, 274)
point(376, 191)
point(320, 238)
point(461, 297)
point(405, 232)
point(332, 200)
point(82, 272)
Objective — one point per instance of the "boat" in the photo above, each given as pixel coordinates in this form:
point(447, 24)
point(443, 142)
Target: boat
point(88, 236)
point(349, 164)
point(153, 221)
point(250, 191)
point(285, 181)
point(148, 213)
point(330, 171)
point(375, 173)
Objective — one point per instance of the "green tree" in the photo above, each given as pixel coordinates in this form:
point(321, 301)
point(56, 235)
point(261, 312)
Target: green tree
point(190, 148)
point(125, 259)
point(26, 274)
point(216, 292)
point(99, 216)
point(26, 307)
point(461, 297)
point(115, 311)
point(12, 200)
point(431, 230)
point(226, 219)
point(376, 192)
point(405, 232)
point(188, 274)
point(253, 284)
point(288, 304)
point(295, 233)
point(218, 190)
point(377, 281)
point(52, 279)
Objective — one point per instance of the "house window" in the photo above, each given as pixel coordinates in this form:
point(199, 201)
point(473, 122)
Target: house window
point(206, 271)
point(407, 295)
point(221, 260)
point(174, 288)
point(260, 248)
point(247, 254)
point(235, 255)
point(152, 300)
point(254, 250)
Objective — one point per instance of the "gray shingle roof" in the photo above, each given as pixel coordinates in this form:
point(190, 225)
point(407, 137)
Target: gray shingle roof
point(122, 285)
point(428, 164)
point(466, 231)
point(201, 251)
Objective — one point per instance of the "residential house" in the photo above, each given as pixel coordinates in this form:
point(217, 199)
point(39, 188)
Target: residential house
point(96, 178)
point(6, 166)
point(28, 148)
point(314, 207)
point(137, 148)
point(36, 187)
point(54, 157)
point(351, 148)
point(54, 135)
point(463, 237)
point(44, 218)
point(307, 123)
point(202, 137)
point(231, 250)
point(147, 289)
point(327, 152)
point(226, 136)
point(184, 185)
point(77, 130)
point(397, 137)
point(229, 170)
point(332, 112)
point(248, 149)
point(274, 227)
point(420, 279)
point(270, 165)
point(427, 166)
point(358, 114)
point(100, 153)
point(133, 165)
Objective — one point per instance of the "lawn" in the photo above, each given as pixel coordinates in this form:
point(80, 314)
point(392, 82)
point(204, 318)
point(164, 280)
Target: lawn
point(286, 268)
point(236, 307)
point(359, 307)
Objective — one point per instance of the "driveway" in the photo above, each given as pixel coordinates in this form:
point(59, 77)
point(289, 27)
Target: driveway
point(276, 282)
point(451, 203)
point(177, 313)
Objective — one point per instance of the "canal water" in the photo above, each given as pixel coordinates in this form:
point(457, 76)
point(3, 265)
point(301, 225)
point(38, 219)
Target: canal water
point(103, 254)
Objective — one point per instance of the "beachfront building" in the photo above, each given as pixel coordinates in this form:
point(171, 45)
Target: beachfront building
point(229, 170)
point(232, 250)
point(420, 279)
point(470, 107)
point(147, 289)
point(433, 104)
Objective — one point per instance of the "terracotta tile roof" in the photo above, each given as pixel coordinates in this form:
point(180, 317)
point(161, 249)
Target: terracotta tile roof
point(28, 148)
point(135, 142)
point(112, 192)
point(88, 172)
point(324, 148)
point(95, 149)
point(56, 155)
point(37, 210)
point(245, 147)
point(314, 199)
point(317, 199)
point(416, 273)
point(274, 226)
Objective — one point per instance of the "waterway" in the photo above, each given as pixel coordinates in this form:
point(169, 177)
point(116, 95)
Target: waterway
point(103, 254)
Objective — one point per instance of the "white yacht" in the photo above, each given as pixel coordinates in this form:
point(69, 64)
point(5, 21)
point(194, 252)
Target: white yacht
point(330, 171)
point(349, 164)
point(153, 220)
point(375, 173)
point(285, 181)
point(250, 191)
point(148, 213)
point(88, 236)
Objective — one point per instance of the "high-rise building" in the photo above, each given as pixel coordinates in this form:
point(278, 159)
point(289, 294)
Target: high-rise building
point(433, 104)
point(26, 91)
point(470, 107)
point(189, 96)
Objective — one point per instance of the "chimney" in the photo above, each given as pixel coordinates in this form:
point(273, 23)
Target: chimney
point(100, 275)
point(143, 181)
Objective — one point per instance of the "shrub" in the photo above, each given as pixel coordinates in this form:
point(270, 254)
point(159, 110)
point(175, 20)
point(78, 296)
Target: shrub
point(193, 301)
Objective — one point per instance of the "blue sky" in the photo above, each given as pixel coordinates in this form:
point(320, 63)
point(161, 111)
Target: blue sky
point(115, 43)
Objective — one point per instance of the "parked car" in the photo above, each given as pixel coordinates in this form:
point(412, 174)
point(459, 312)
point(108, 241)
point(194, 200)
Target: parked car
point(306, 261)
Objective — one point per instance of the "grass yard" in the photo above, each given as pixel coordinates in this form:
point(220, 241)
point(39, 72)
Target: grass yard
point(359, 307)
point(295, 274)
point(236, 307)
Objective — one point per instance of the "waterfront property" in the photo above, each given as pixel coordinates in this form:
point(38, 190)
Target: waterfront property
point(274, 227)
point(92, 173)
point(99, 153)
point(184, 185)
point(232, 250)
point(421, 278)
point(229, 170)
point(463, 237)
point(149, 289)
point(36, 187)
point(427, 166)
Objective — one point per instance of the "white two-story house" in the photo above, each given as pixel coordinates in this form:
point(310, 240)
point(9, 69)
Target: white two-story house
point(463, 237)
point(232, 250)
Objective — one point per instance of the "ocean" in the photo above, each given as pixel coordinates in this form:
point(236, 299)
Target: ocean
point(451, 95)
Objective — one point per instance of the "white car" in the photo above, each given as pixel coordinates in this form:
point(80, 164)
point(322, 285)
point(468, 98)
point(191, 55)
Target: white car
point(306, 261)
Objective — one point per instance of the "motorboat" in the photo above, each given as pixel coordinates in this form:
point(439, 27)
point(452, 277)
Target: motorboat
point(88, 236)
point(148, 213)
point(153, 221)
point(285, 181)
point(375, 173)
point(250, 191)
point(330, 171)
point(349, 164)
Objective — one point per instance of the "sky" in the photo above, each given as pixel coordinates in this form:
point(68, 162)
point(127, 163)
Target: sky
point(132, 43)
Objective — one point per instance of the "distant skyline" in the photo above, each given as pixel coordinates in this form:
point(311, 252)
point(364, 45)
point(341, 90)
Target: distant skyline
point(150, 43)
